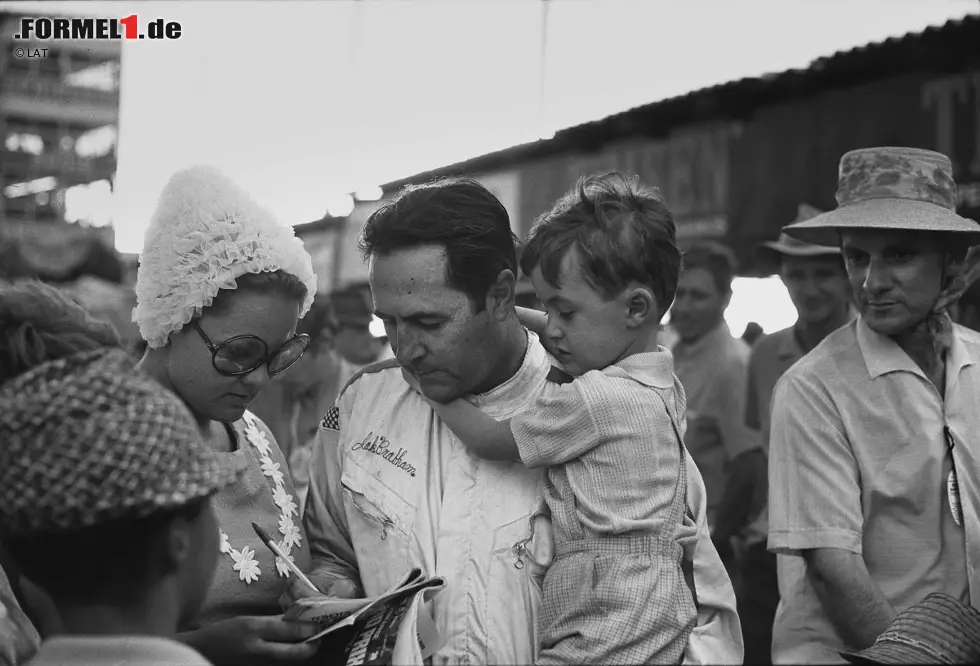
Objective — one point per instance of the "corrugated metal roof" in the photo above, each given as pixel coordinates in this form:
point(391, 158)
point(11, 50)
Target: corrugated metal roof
point(943, 48)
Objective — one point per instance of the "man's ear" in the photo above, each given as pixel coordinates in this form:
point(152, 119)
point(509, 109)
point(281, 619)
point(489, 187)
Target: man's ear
point(501, 296)
point(641, 306)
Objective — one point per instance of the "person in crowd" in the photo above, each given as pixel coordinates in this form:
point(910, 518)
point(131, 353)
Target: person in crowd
point(873, 496)
point(341, 343)
point(712, 366)
point(353, 339)
point(312, 387)
point(105, 490)
point(816, 280)
point(390, 485)
point(604, 261)
point(220, 288)
point(291, 406)
point(38, 323)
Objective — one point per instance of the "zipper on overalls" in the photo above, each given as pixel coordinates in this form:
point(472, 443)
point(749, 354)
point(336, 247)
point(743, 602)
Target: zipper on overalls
point(520, 548)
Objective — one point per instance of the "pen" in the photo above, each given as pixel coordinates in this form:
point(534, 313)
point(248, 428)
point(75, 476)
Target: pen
point(289, 563)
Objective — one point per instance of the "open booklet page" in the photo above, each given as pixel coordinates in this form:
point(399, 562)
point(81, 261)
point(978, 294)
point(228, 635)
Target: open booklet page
point(377, 622)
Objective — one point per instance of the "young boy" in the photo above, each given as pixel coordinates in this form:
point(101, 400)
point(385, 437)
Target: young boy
point(105, 492)
point(605, 264)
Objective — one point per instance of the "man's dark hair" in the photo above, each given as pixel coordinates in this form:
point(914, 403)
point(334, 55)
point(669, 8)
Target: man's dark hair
point(459, 214)
point(112, 563)
point(715, 258)
point(622, 230)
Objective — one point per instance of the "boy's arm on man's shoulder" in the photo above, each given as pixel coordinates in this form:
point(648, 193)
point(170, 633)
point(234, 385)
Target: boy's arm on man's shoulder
point(557, 427)
point(324, 518)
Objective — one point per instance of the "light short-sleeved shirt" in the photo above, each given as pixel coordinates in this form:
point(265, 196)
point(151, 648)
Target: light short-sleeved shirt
point(608, 442)
point(858, 460)
point(713, 371)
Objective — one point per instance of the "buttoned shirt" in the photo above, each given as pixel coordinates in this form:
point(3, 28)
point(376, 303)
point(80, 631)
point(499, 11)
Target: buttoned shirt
point(713, 371)
point(859, 461)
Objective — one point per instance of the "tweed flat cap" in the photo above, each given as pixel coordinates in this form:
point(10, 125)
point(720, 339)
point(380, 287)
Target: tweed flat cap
point(88, 439)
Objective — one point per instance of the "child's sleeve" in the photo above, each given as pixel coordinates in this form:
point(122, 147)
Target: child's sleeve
point(558, 427)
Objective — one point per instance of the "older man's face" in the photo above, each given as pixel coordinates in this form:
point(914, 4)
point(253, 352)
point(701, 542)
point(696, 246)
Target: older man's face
point(896, 276)
point(434, 330)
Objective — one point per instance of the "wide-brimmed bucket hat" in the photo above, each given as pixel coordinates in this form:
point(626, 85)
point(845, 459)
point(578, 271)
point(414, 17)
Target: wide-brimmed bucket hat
point(788, 246)
point(907, 189)
point(940, 630)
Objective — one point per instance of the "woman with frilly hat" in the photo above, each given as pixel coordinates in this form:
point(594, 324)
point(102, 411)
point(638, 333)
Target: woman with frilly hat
point(874, 463)
point(220, 288)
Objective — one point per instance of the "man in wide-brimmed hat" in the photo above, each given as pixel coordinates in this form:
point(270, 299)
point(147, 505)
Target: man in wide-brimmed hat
point(817, 283)
point(873, 468)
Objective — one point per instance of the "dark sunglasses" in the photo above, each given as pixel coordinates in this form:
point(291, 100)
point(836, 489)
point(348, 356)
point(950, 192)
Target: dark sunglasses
point(243, 354)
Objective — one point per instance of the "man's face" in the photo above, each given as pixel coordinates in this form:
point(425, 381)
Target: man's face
point(817, 286)
point(896, 276)
point(699, 305)
point(434, 330)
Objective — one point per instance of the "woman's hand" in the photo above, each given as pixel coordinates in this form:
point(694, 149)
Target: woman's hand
point(256, 640)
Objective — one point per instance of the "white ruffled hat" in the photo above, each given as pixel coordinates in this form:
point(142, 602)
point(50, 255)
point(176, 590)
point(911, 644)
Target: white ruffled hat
point(205, 233)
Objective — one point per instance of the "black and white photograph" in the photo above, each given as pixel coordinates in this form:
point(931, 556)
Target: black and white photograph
point(293, 294)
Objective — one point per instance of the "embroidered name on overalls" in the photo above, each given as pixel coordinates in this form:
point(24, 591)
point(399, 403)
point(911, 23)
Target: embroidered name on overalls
point(380, 446)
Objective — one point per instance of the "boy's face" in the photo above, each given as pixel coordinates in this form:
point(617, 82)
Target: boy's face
point(585, 331)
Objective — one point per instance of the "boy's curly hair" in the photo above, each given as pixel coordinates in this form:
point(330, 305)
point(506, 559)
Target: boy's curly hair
point(622, 230)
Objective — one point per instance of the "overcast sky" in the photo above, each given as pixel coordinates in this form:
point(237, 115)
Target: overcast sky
point(300, 101)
